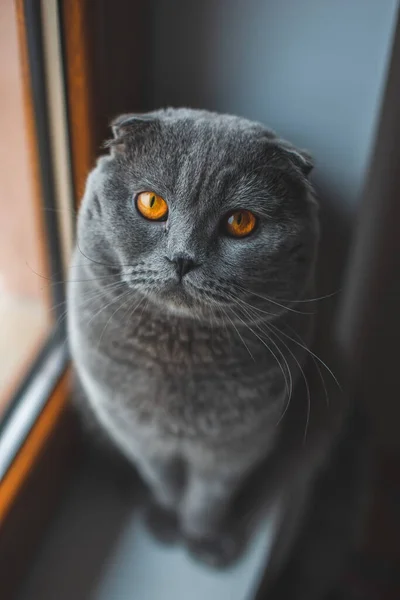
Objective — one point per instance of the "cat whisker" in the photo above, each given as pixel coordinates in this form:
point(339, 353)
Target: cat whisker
point(305, 383)
point(90, 294)
point(107, 305)
point(237, 331)
point(212, 318)
point(316, 366)
point(286, 300)
point(266, 345)
point(302, 373)
point(224, 324)
point(314, 357)
point(317, 299)
point(111, 317)
point(90, 297)
point(269, 326)
point(46, 277)
point(310, 352)
point(288, 386)
point(71, 211)
point(69, 280)
point(255, 309)
point(267, 299)
point(65, 281)
point(290, 390)
point(102, 264)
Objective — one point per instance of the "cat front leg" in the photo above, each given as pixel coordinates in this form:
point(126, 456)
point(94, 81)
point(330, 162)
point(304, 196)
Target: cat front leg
point(204, 518)
point(164, 476)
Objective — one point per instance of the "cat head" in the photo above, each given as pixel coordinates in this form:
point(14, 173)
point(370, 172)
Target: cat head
point(202, 213)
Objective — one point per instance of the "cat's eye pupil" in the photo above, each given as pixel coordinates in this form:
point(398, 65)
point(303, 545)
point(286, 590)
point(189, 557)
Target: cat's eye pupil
point(240, 223)
point(151, 206)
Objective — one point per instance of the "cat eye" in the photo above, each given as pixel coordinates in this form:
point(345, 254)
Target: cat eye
point(240, 223)
point(152, 206)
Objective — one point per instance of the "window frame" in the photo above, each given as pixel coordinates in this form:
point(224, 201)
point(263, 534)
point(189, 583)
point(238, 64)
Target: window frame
point(40, 434)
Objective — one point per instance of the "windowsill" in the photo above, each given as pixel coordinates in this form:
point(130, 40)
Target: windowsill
point(98, 548)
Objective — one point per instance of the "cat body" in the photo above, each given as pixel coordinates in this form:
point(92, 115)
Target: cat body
point(189, 342)
point(171, 390)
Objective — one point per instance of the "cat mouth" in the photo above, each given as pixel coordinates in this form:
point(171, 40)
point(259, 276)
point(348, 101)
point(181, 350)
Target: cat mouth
point(177, 300)
point(179, 294)
point(182, 297)
point(186, 295)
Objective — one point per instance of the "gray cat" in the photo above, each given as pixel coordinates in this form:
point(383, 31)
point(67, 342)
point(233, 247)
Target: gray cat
point(189, 324)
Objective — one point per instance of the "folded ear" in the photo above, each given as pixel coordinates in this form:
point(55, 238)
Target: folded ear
point(129, 126)
point(129, 121)
point(301, 158)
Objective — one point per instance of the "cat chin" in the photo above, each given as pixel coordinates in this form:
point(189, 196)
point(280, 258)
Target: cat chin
point(179, 310)
point(177, 302)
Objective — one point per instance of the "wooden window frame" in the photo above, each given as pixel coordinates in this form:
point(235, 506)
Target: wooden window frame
point(45, 434)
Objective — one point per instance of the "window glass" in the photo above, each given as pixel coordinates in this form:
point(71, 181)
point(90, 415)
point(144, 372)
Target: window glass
point(24, 289)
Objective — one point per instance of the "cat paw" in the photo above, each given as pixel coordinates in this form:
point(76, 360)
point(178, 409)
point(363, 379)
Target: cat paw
point(162, 524)
point(219, 552)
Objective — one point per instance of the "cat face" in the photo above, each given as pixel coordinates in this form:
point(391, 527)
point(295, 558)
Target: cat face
point(202, 213)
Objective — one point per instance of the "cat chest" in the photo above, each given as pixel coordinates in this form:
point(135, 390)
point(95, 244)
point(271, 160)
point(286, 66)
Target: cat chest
point(194, 381)
point(181, 398)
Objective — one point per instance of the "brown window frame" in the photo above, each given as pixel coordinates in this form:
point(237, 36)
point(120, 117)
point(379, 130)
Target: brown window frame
point(48, 442)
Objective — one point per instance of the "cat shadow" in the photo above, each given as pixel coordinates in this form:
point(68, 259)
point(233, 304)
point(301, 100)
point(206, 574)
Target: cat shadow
point(91, 520)
point(335, 242)
point(334, 250)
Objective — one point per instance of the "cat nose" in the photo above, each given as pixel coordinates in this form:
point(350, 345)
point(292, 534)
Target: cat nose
point(183, 264)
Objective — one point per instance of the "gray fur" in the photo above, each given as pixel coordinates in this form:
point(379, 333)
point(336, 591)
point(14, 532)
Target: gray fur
point(193, 375)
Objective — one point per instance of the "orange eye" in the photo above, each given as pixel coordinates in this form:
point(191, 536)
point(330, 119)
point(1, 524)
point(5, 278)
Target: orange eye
point(240, 223)
point(152, 206)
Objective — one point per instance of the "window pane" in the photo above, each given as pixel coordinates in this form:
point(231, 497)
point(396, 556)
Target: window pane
point(24, 290)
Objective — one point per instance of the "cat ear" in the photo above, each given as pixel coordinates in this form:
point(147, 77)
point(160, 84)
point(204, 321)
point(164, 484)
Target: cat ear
point(300, 158)
point(126, 125)
point(124, 122)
